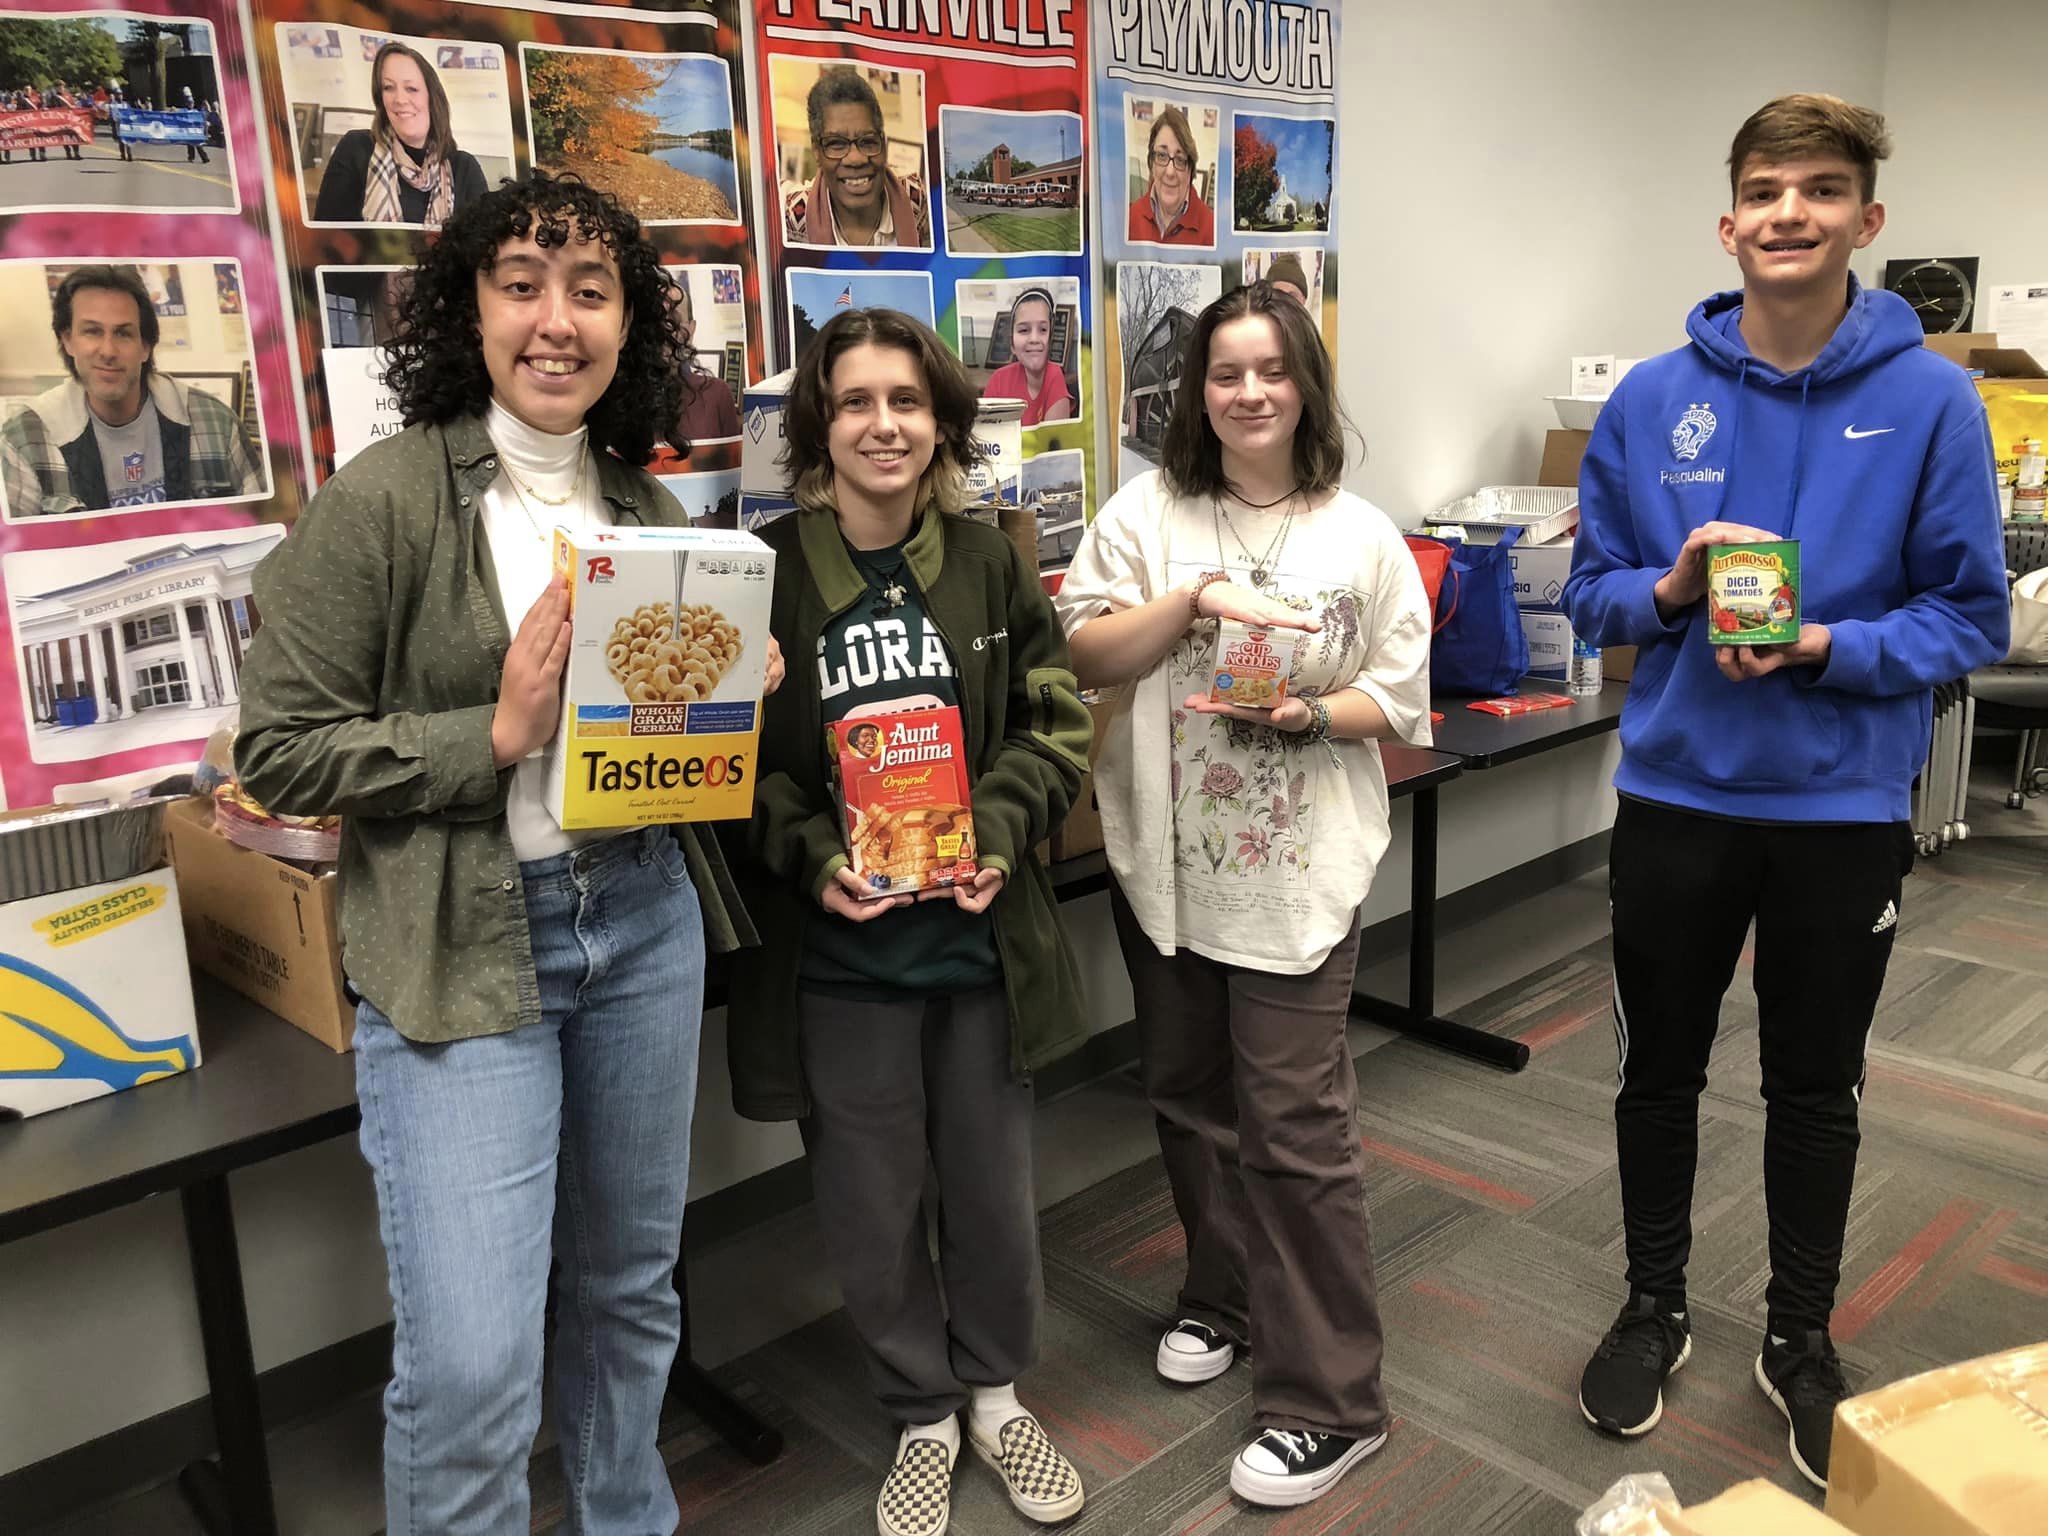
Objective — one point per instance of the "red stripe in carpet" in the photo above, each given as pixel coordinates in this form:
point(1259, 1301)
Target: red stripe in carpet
point(1901, 1270)
point(1449, 1297)
point(1222, 1503)
point(1444, 1174)
point(1562, 1026)
point(2021, 1277)
point(1941, 1090)
point(1444, 1491)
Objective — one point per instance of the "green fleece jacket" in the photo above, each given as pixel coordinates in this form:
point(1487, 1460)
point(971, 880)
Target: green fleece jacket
point(1027, 737)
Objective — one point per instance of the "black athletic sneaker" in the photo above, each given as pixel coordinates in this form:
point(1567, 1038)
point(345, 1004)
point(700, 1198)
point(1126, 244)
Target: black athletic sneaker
point(1285, 1467)
point(1802, 1377)
point(1622, 1390)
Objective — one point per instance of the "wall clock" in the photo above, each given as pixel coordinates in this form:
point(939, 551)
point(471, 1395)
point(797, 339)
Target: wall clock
point(1941, 289)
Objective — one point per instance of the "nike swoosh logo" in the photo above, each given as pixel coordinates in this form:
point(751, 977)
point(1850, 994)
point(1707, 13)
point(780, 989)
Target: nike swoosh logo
point(1852, 434)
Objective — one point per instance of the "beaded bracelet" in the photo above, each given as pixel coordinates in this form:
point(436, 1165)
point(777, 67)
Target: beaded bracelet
point(1319, 718)
point(1202, 584)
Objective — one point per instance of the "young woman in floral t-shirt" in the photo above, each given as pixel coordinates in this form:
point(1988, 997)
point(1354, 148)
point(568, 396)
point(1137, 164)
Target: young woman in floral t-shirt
point(1243, 843)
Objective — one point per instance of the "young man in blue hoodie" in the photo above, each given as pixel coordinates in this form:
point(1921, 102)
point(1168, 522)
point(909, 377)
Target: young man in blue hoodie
point(1773, 784)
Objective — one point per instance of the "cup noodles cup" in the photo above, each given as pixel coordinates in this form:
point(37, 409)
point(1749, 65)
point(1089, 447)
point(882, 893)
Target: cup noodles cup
point(1753, 593)
point(1252, 664)
point(903, 784)
point(668, 653)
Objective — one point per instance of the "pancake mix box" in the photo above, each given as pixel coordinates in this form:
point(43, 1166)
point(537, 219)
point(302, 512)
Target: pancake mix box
point(661, 706)
point(1753, 593)
point(903, 783)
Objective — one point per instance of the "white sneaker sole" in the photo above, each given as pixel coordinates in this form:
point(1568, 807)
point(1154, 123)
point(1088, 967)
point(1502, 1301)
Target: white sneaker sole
point(1656, 1410)
point(1184, 1369)
point(1261, 1488)
point(1791, 1439)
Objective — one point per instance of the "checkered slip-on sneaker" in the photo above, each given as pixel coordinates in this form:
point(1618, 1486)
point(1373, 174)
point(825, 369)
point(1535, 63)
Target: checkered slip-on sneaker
point(1042, 1484)
point(917, 1495)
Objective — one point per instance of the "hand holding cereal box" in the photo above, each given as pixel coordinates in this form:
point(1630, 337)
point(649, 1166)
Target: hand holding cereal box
point(1253, 664)
point(909, 816)
point(668, 652)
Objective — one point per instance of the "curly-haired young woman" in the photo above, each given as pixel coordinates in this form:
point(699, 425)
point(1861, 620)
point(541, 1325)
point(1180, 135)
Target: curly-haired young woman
point(526, 1048)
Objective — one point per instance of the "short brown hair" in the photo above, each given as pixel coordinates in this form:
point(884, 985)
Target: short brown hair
point(807, 456)
point(1807, 124)
point(1177, 121)
point(1192, 454)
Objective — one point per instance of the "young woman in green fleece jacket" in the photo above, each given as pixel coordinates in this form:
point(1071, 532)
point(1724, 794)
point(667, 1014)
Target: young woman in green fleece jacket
point(902, 1031)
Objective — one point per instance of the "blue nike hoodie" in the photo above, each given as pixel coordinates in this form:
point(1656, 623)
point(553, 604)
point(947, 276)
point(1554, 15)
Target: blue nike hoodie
point(1876, 457)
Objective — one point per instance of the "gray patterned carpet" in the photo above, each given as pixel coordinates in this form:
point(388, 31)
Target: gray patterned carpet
point(1498, 1232)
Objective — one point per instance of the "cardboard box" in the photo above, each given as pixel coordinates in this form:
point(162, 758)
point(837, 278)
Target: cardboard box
point(1562, 450)
point(95, 993)
point(1961, 1451)
point(1980, 350)
point(266, 928)
point(904, 792)
point(1081, 832)
point(761, 436)
point(668, 651)
point(1755, 1508)
point(1540, 571)
point(1618, 663)
point(1550, 643)
point(998, 480)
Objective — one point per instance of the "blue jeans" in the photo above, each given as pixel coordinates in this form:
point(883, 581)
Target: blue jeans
point(568, 1138)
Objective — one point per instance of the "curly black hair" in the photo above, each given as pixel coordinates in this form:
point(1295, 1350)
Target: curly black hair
point(437, 367)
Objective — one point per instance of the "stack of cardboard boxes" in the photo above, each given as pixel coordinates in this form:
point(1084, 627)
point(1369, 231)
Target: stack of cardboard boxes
point(1540, 572)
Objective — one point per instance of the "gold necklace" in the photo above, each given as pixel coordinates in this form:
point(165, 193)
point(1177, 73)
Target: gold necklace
point(520, 489)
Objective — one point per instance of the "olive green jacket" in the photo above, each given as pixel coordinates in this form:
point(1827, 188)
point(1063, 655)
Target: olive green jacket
point(368, 693)
point(1027, 735)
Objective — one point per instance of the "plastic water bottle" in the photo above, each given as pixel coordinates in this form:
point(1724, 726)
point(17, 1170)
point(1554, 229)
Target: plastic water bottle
point(1585, 668)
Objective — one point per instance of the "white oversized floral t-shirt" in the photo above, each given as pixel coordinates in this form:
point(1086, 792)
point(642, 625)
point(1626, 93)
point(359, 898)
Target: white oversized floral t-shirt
point(1248, 845)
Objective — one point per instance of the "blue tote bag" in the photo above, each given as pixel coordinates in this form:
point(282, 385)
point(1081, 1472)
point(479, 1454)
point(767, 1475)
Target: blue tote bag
point(1479, 648)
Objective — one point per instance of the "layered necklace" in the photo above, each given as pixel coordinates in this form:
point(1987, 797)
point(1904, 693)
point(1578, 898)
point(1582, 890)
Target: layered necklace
point(1266, 566)
point(522, 490)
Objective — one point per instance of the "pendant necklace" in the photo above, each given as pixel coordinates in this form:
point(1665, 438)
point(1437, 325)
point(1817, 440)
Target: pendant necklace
point(1264, 567)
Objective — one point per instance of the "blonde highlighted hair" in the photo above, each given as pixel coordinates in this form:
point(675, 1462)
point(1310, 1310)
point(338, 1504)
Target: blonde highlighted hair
point(1811, 124)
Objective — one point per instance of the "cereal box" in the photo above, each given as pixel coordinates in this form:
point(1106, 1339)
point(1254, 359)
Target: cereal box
point(903, 781)
point(661, 703)
point(1252, 665)
point(1753, 593)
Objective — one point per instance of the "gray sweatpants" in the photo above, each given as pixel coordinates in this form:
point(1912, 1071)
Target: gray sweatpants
point(895, 1086)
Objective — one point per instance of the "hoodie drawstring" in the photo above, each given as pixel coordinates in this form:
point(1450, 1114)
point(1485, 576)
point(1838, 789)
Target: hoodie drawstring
point(1734, 440)
point(1798, 453)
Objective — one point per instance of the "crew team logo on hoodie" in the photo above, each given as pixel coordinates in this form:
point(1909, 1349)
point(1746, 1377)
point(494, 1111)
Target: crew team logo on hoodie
point(1693, 432)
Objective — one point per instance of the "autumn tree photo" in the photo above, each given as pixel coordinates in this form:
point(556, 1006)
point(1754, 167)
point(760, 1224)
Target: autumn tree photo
point(585, 105)
point(1256, 160)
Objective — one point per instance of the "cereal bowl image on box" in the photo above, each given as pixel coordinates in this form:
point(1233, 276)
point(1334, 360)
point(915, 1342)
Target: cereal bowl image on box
point(668, 650)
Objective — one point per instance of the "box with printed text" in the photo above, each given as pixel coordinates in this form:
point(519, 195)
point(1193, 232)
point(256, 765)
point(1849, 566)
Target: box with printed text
point(909, 812)
point(661, 706)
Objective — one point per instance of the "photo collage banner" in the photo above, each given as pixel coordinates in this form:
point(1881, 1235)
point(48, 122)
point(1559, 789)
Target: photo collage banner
point(933, 158)
point(1216, 128)
point(648, 104)
point(128, 144)
point(251, 194)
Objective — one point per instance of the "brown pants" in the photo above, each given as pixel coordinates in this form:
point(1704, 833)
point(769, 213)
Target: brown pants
point(1250, 1077)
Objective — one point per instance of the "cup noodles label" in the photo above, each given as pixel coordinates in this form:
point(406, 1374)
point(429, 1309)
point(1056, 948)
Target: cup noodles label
point(1753, 593)
point(668, 652)
point(903, 783)
point(1252, 665)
